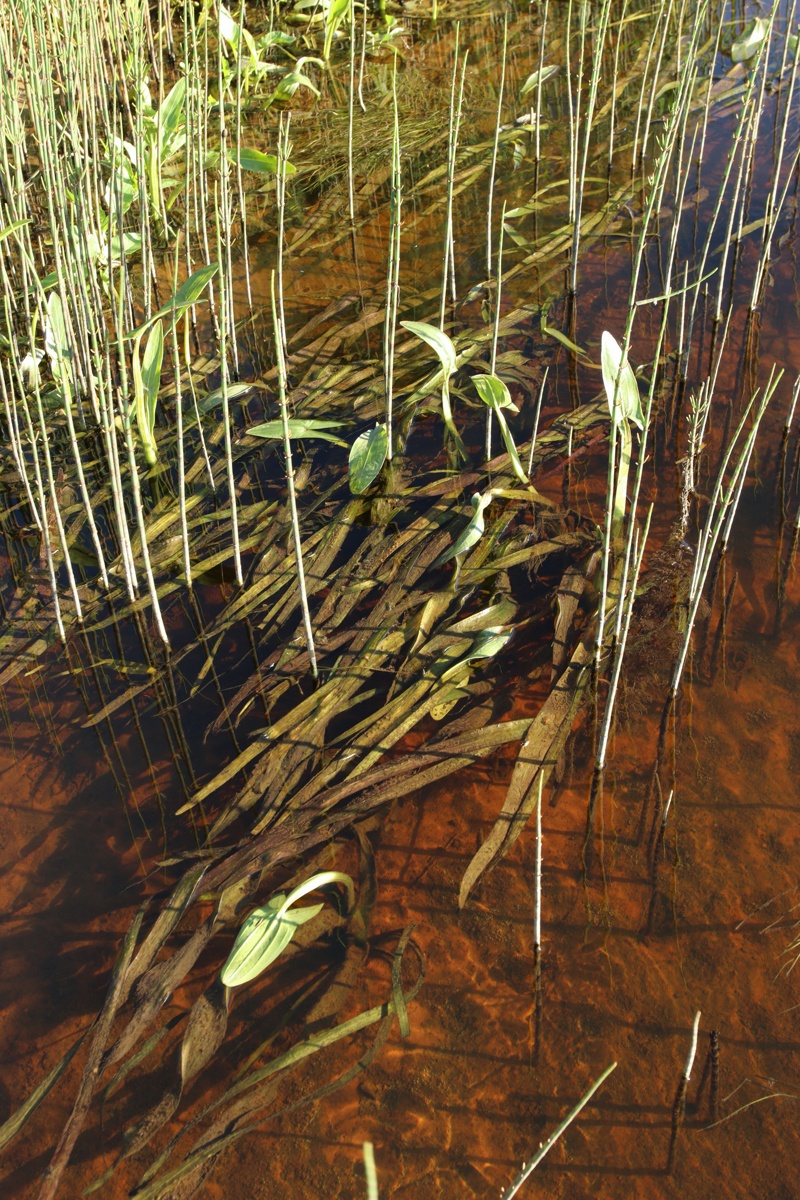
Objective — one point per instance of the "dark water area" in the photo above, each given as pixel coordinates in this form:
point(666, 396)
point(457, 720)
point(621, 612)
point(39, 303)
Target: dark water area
point(632, 948)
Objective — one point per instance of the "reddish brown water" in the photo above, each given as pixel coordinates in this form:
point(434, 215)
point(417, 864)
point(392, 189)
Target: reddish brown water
point(628, 957)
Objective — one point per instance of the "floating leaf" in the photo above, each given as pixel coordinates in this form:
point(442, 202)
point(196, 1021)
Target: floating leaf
point(446, 353)
point(487, 644)
point(494, 392)
point(261, 164)
point(55, 334)
point(533, 80)
point(560, 337)
point(214, 399)
point(437, 340)
point(747, 45)
point(628, 401)
point(473, 532)
point(367, 456)
point(298, 428)
point(267, 932)
point(146, 382)
point(187, 294)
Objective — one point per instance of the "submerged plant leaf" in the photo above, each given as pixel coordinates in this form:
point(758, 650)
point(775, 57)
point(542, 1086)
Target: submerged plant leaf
point(367, 456)
point(747, 45)
point(628, 404)
point(299, 427)
point(267, 932)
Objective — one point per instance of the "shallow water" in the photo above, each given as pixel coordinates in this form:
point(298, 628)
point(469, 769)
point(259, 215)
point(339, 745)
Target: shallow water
point(629, 954)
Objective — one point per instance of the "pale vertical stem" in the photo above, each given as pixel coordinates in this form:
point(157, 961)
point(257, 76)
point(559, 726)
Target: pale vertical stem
point(287, 450)
point(539, 80)
point(176, 362)
point(613, 115)
point(222, 207)
point(571, 112)
point(284, 149)
point(593, 86)
point(239, 179)
point(350, 113)
point(496, 330)
point(538, 414)
point(363, 56)
point(226, 415)
point(537, 894)
point(125, 414)
point(495, 147)
point(449, 211)
point(622, 639)
point(393, 268)
point(664, 25)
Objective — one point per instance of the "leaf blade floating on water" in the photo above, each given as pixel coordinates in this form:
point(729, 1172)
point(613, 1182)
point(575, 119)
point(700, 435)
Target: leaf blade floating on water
point(367, 456)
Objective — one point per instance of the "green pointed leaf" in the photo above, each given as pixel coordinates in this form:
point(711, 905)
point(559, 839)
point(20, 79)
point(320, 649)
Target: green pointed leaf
point(438, 341)
point(298, 428)
point(187, 294)
point(333, 20)
point(493, 392)
point(367, 456)
point(560, 337)
point(214, 399)
point(473, 532)
point(628, 402)
point(747, 45)
point(533, 80)
point(55, 333)
point(261, 164)
point(151, 372)
point(267, 932)
point(169, 115)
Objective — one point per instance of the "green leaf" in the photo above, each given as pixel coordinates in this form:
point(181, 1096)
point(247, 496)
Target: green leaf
point(151, 372)
point(298, 428)
point(628, 404)
point(295, 79)
point(146, 380)
point(9, 229)
point(228, 29)
point(473, 532)
point(267, 932)
point(533, 80)
point(214, 399)
point(438, 341)
point(170, 114)
point(493, 392)
point(747, 45)
point(55, 334)
point(560, 337)
point(187, 294)
point(367, 456)
point(333, 20)
point(261, 164)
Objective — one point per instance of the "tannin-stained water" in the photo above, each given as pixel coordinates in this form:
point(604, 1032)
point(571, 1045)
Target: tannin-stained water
point(634, 944)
